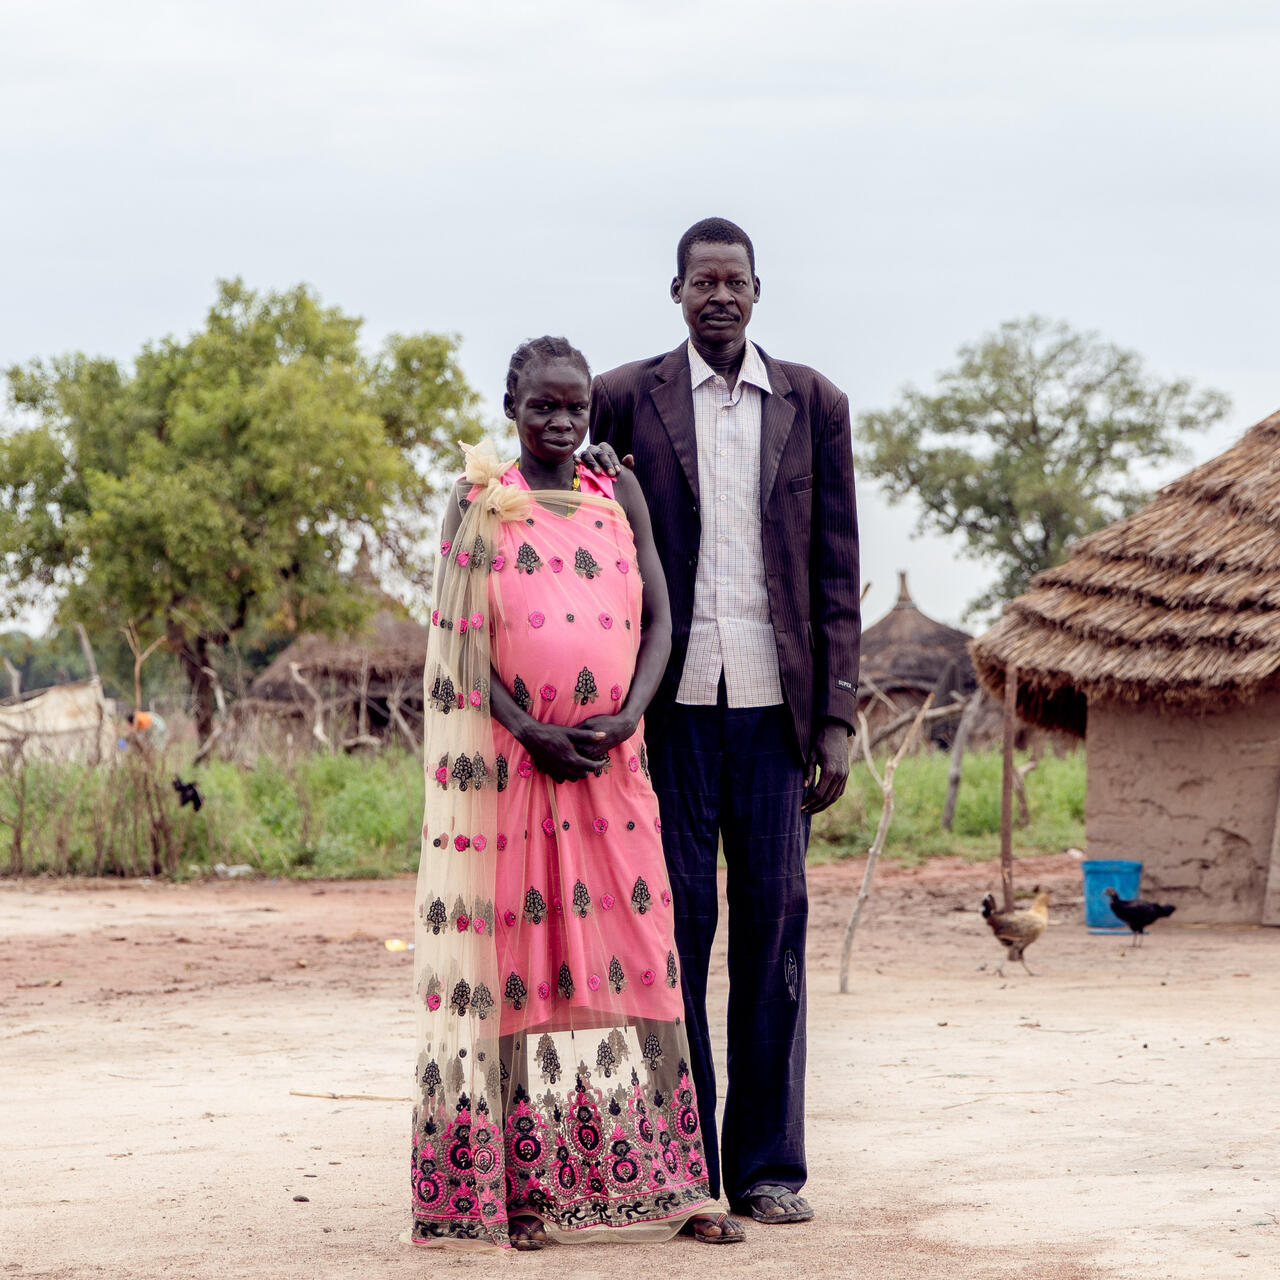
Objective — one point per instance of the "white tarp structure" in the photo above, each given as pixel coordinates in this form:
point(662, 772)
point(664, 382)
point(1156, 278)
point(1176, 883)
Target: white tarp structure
point(67, 722)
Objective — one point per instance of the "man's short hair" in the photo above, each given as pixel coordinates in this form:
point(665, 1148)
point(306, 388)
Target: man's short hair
point(712, 231)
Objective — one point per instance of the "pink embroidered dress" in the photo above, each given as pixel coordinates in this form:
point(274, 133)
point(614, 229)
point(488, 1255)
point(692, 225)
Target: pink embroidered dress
point(552, 1064)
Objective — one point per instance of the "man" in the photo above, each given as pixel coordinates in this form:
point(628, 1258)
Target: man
point(747, 466)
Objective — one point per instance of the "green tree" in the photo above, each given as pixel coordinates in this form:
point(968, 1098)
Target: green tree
point(217, 485)
point(1030, 441)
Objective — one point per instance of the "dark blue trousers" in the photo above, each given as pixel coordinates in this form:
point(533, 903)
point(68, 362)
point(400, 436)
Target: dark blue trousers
point(737, 776)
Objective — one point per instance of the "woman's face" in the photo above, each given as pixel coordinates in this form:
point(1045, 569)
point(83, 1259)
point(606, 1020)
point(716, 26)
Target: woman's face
point(550, 409)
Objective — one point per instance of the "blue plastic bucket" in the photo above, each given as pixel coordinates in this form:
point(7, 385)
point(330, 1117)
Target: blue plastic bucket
point(1100, 875)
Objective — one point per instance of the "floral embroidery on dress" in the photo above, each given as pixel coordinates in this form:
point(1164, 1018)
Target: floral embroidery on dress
point(556, 564)
point(462, 770)
point(520, 694)
point(527, 559)
point(585, 564)
point(547, 1058)
point(548, 692)
point(460, 1000)
point(500, 771)
point(516, 992)
point(673, 977)
point(644, 760)
point(581, 900)
point(535, 906)
point(651, 1051)
point(437, 917)
point(641, 899)
point(443, 694)
point(481, 1000)
point(617, 978)
point(564, 982)
point(585, 690)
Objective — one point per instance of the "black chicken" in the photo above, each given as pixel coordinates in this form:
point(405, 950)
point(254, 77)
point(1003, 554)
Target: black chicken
point(187, 794)
point(1137, 913)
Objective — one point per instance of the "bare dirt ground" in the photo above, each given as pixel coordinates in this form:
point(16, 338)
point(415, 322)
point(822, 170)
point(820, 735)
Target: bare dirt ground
point(1112, 1118)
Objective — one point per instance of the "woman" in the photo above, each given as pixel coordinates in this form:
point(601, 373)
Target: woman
point(555, 1096)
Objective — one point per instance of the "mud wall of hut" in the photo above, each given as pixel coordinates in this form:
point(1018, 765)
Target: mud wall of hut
point(1191, 797)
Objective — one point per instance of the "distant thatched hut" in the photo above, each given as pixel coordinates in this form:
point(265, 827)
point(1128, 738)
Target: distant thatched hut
point(905, 657)
point(367, 683)
point(1160, 638)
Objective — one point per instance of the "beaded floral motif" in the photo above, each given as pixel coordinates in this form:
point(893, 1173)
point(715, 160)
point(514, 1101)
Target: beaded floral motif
point(585, 690)
point(527, 559)
point(520, 694)
point(443, 694)
point(581, 900)
point(535, 906)
point(585, 564)
point(641, 898)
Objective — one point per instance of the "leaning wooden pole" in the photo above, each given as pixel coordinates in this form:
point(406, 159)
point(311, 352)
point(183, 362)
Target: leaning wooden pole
point(885, 783)
point(1006, 785)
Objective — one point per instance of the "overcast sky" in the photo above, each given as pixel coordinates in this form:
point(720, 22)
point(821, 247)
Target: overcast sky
point(912, 172)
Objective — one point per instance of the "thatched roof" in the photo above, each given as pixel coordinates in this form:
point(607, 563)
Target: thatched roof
point(394, 646)
point(908, 650)
point(1177, 604)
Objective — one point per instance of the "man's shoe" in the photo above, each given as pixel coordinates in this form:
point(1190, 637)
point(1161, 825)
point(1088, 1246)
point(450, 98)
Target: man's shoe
point(772, 1203)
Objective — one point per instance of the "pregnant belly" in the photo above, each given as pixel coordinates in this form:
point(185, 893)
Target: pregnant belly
point(565, 671)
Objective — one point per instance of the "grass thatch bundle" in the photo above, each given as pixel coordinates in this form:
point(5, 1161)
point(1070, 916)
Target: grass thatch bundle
point(1178, 603)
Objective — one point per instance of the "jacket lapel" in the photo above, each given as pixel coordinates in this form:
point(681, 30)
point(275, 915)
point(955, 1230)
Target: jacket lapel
point(673, 399)
point(777, 414)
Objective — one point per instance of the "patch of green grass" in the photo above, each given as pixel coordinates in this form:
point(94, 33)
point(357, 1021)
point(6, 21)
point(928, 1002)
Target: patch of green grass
point(343, 817)
point(359, 817)
point(1055, 797)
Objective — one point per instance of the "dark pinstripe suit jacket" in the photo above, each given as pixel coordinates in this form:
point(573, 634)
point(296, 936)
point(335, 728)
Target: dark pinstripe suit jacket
point(810, 521)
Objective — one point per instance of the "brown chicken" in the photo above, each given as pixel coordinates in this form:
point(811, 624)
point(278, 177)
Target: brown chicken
point(1017, 930)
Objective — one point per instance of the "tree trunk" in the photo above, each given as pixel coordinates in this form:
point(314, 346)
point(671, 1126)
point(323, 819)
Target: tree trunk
point(193, 658)
point(954, 774)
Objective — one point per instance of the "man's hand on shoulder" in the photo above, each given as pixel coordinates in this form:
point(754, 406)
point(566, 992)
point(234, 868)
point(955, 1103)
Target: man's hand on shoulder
point(602, 459)
point(828, 771)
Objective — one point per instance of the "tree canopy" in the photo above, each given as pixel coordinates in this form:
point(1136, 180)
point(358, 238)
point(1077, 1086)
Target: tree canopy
point(1033, 439)
point(219, 483)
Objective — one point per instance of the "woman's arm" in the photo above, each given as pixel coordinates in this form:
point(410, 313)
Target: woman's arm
point(655, 622)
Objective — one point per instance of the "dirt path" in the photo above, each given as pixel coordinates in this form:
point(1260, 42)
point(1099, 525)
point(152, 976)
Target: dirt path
point(1112, 1118)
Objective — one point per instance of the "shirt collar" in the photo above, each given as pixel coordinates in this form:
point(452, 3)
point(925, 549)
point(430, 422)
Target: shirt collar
point(752, 371)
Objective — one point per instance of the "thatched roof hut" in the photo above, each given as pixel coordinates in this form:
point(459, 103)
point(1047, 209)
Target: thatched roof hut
point(369, 681)
point(391, 649)
point(1159, 637)
point(906, 656)
point(909, 651)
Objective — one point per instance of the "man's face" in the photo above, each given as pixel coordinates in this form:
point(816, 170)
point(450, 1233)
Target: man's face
point(717, 293)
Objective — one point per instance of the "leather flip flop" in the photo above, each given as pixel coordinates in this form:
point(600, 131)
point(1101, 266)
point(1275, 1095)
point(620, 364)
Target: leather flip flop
point(731, 1231)
point(773, 1204)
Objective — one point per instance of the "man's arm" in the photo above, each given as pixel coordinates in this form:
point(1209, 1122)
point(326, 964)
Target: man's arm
point(834, 609)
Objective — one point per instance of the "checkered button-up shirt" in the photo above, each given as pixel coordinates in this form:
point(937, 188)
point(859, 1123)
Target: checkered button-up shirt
point(731, 630)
